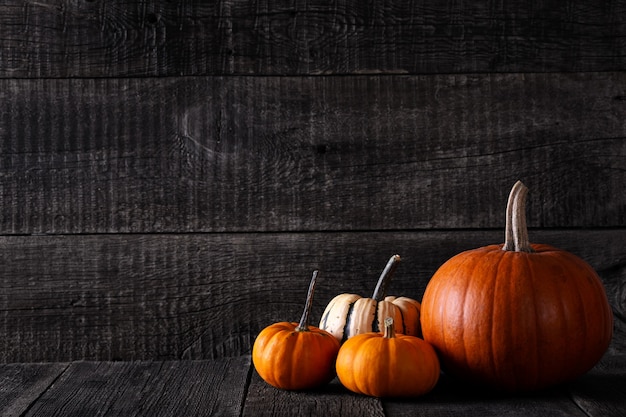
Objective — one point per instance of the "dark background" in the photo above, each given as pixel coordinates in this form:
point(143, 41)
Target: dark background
point(172, 172)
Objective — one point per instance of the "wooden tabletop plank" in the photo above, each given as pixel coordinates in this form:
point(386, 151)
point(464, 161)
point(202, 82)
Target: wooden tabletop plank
point(231, 387)
point(456, 398)
point(198, 388)
point(95, 388)
point(124, 389)
point(22, 384)
point(602, 391)
point(330, 400)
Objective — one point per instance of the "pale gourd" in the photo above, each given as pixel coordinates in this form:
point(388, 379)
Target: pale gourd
point(347, 315)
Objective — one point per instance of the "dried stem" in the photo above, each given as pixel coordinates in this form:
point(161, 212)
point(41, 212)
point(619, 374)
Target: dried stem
point(385, 278)
point(303, 326)
point(516, 232)
point(389, 331)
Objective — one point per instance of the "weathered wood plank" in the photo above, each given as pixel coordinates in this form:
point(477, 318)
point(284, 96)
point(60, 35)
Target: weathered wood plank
point(22, 384)
point(180, 388)
point(199, 296)
point(602, 391)
point(329, 400)
point(453, 398)
point(231, 387)
point(594, 395)
point(64, 38)
point(316, 153)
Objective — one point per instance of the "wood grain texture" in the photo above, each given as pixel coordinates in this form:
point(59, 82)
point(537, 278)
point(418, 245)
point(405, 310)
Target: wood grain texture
point(231, 387)
point(200, 296)
point(172, 172)
point(113, 38)
point(332, 399)
point(23, 384)
point(181, 388)
point(453, 398)
point(602, 391)
point(293, 154)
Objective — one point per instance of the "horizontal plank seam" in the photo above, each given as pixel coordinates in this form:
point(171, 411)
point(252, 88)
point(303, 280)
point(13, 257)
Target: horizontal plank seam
point(318, 231)
point(315, 75)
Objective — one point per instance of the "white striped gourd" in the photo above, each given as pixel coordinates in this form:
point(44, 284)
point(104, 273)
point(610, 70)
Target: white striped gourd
point(347, 315)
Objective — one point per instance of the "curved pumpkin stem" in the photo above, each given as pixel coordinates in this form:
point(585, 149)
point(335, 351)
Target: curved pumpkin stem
point(385, 278)
point(303, 326)
point(516, 231)
point(390, 331)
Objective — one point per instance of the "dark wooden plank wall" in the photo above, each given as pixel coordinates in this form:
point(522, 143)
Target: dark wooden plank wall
point(94, 38)
point(171, 172)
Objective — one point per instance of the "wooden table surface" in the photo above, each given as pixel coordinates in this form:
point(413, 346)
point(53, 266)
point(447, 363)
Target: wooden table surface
point(231, 387)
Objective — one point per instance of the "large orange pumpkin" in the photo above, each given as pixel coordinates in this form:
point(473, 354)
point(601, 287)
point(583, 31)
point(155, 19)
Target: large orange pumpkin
point(296, 356)
point(520, 316)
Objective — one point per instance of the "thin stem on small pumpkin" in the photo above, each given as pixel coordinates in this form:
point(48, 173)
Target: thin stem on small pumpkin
point(385, 278)
point(303, 326)
point(389, 331)
point(516, 231)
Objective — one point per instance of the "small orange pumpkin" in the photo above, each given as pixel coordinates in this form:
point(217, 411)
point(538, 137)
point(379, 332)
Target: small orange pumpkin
point(296, 356)
point(387, 364)
point(520, 316)
point(347, 315)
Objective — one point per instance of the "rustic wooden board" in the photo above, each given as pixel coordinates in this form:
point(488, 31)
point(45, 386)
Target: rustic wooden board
point(329, 400)
point(602, 391)
point(454, 398)
point(66, 38)
point(23, 384)
point(199, 296)
point(231, 387)
point(313, 153)
point(172, 172)
point(181, 388)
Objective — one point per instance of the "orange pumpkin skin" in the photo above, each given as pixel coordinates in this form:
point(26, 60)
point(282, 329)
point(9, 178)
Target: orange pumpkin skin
point(293, 359)
point(517, 320)
point(376, 365)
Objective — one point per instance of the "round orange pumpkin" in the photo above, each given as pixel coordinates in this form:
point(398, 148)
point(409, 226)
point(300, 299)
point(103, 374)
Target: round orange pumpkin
point(520, 316)
point(296, 356)
point(387, 364)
